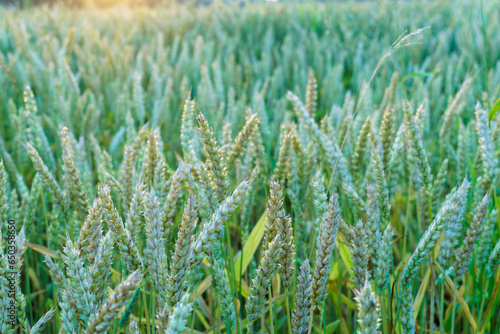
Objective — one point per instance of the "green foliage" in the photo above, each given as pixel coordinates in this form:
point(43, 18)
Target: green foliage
point(171, 169)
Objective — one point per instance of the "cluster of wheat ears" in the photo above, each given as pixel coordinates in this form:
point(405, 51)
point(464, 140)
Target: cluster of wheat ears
point(218, 185)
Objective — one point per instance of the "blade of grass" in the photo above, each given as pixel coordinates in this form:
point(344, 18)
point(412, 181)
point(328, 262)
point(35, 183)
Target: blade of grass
point(451, 287)
point(421, 294)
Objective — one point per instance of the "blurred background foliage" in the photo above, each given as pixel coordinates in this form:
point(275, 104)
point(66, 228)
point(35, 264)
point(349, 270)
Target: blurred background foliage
point(230, 59)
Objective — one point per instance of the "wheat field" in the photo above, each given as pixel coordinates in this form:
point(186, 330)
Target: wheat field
point(250, 168)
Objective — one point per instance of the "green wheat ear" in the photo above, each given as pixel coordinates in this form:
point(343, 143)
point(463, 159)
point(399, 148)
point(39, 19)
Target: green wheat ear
point(42, 322)
point(303, 299)
point(324, 250)
point(103, 319)
point(368, 309)
point(262, 281)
